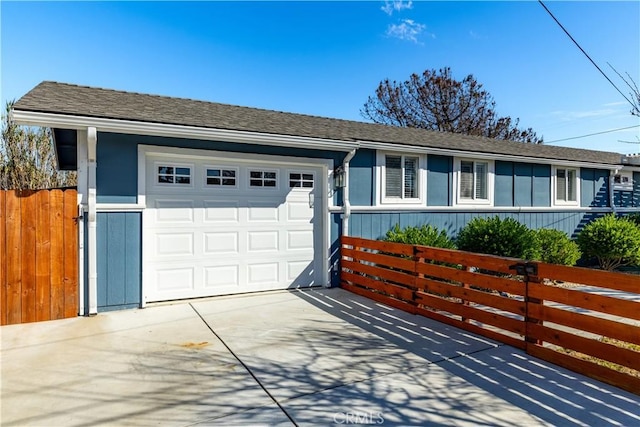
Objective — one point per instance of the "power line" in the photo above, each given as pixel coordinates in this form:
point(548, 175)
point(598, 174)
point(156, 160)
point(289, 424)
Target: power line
point(586, 54)
point(591, 134)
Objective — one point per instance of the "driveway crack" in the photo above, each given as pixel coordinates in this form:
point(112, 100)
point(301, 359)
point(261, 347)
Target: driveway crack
point(244, 365)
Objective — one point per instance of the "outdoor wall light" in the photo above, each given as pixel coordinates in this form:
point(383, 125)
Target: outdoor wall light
point(339, 179)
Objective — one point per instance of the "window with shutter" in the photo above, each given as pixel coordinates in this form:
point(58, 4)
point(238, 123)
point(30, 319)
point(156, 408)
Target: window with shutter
point(566, 186)
point(401, 178)
point(473, 181)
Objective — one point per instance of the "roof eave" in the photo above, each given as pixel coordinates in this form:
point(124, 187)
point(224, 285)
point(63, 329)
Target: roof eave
point(64, 121)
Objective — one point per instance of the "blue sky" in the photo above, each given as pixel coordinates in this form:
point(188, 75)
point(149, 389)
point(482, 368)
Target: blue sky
point(326, 58)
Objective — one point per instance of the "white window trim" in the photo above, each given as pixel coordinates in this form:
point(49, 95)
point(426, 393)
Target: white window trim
point(220, 187)
point(554, 179)
point(174, 165)
point(624, 186)
point(381, 178)
point(278, 178)
point(291, 171)
point(489, 201)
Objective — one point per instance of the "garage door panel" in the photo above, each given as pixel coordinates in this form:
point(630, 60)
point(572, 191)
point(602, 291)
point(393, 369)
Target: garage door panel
point(174, 244)
point(261, 241)
point(175, 279)
point(299, 211)
point(225, 211)
point(174, 211)
point(222, 277)
point(266, 272)
point(262, 212)
point(216, 243)
point(299, 239)
point(300, 272)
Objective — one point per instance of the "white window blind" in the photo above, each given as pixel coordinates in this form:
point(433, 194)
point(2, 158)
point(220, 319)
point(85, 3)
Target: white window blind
point(466, 180)
point(393, 174)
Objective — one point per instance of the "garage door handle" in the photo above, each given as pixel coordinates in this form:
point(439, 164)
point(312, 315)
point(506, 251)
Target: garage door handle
point(311, 200)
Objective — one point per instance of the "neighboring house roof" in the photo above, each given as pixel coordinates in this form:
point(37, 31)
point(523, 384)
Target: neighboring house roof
point(74, 100)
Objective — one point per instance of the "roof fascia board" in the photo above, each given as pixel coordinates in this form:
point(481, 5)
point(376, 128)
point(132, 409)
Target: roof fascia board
point(481, 155)
point(31, 118)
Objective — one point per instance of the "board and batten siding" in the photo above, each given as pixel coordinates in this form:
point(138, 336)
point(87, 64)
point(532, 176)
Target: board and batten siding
point(374, 225)
point(119, 260)
point(522, 184)
point(594, 188)
point(631, 198)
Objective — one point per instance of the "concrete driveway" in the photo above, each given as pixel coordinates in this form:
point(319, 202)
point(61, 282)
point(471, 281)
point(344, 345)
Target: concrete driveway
point(322, 357)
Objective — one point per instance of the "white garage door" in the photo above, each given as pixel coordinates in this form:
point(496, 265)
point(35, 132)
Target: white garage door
point(216, 227)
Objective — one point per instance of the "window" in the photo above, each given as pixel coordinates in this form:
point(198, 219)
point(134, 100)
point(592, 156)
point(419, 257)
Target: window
point(221, 177)
point(566, 186)
point(174, 175)
point(261, 178)
point(473, 181)
point(300, 180)
point(623, 181)
point(400, 177)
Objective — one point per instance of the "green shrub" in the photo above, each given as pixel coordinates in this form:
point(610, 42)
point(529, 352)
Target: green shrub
point(634, 217)
point(613, 241)
point(556, 247)
point(502, 237)
point(425, 235)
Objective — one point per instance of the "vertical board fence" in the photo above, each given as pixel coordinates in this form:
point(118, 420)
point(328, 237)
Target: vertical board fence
point(581, 319)
point(38, 255)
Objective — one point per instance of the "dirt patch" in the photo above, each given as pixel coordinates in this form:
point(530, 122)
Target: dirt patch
point(195, 345)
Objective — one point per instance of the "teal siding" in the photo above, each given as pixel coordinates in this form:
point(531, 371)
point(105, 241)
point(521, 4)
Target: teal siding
point(439, 180)
point(361, 178)
point(375, 225)
point(117, 168)
point(503, 183)
point(636, 190)
point(631, 198)
point(541, 185)
point(522, 184)
point(119, 260)
point(594, 187)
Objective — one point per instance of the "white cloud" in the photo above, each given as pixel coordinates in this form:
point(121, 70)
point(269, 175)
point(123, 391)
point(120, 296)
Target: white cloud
point(396, 6)
point(407, 29)
point(577, 115)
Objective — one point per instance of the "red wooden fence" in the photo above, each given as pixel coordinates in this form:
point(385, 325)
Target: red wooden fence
point(590, 326)
point(38, 255)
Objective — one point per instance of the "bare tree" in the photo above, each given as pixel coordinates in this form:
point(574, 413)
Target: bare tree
point(27, 158)
point(435, 100)
point(634, 91)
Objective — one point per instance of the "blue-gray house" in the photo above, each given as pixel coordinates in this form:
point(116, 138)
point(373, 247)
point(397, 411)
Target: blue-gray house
point(185, 198)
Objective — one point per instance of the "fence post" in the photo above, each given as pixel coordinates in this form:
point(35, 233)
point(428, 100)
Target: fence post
point(466, 286)
point(531, 276)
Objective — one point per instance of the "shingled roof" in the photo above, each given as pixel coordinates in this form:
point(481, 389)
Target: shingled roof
point(74, 100)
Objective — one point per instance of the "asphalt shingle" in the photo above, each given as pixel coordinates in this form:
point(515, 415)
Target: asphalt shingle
point(68, 99)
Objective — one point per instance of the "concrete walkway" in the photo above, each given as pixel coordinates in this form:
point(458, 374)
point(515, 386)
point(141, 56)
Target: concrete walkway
point(324, 357)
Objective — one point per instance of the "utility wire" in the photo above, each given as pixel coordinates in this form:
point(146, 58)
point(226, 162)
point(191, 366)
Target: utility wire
point(591, 134)
point(586, 54)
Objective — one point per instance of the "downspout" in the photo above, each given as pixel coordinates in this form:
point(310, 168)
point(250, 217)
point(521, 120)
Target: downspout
point(92, 140)
point(82, 186)
point(346, 204)
point(612, 200)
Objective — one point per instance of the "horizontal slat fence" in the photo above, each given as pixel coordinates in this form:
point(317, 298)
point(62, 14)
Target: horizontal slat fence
point(38, 255)
point(582, 319)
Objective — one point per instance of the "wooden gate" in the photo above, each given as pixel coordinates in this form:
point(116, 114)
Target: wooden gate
point(38, 255)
